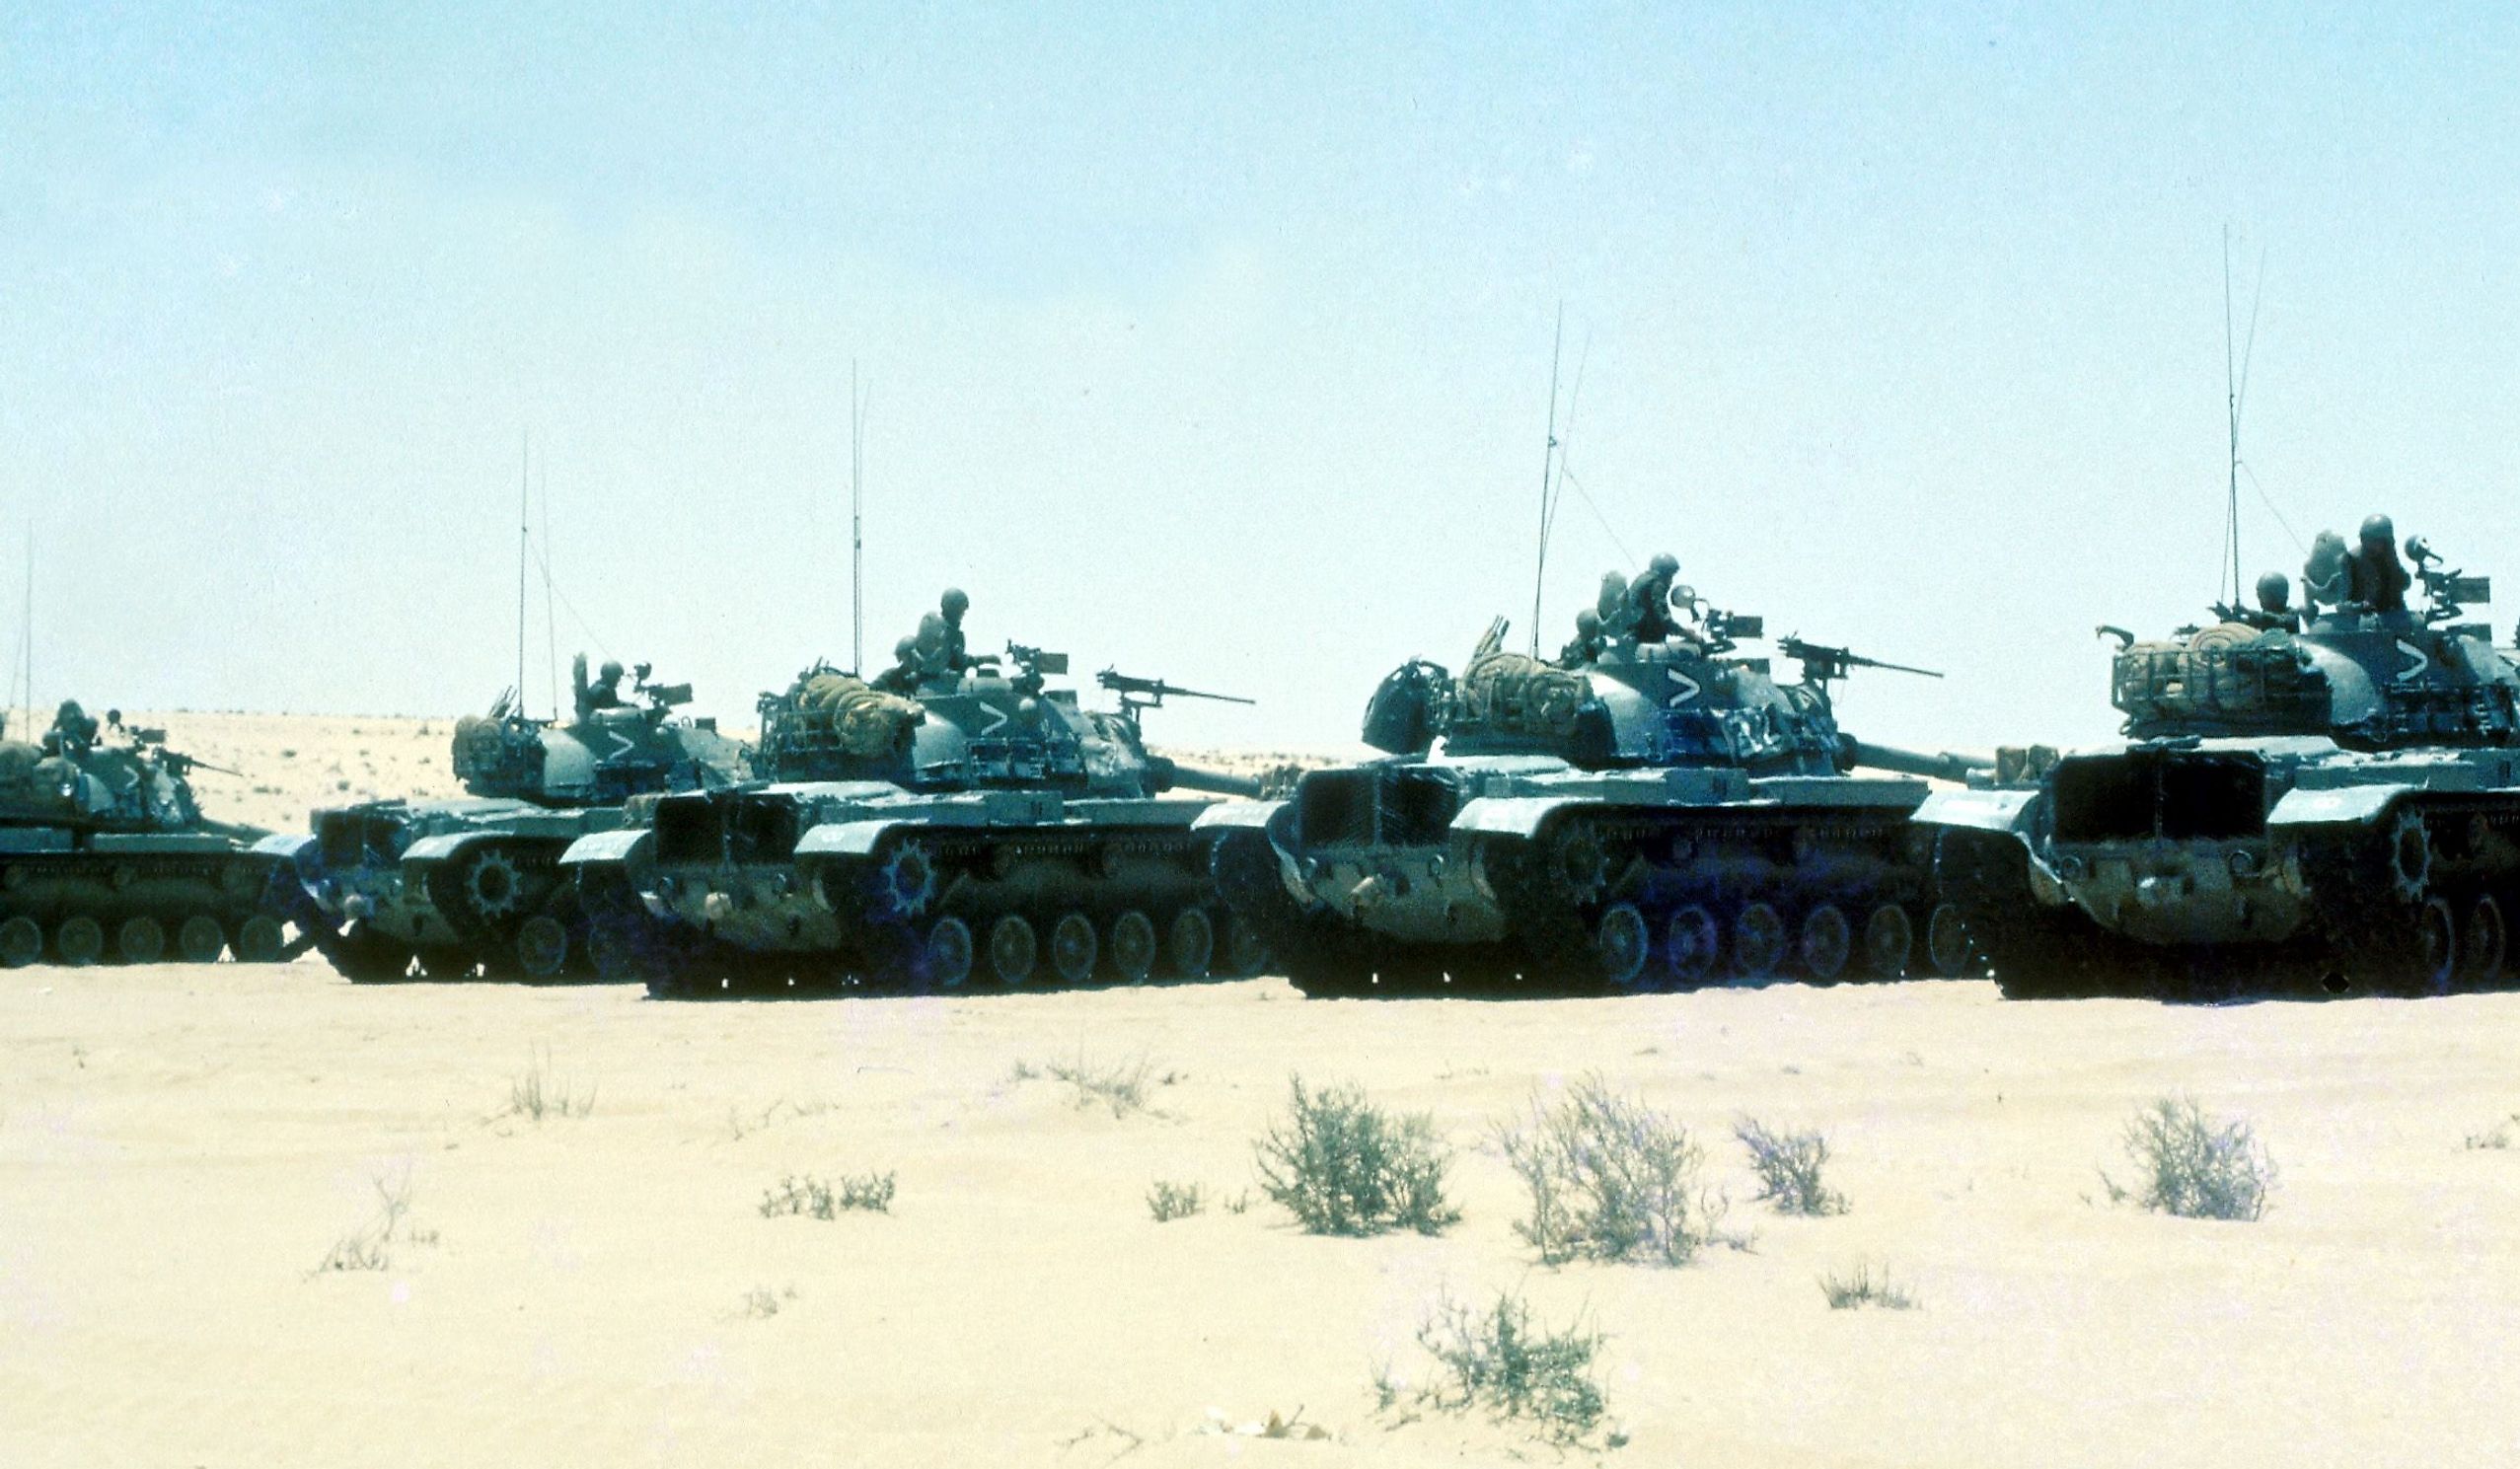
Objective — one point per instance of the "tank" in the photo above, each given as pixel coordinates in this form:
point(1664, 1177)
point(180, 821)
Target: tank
point(1653, 810)
point(2321, 801)
point(471, 886)
point(105, 856)
point(952, 822)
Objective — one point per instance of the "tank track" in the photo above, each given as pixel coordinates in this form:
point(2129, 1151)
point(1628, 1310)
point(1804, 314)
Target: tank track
point(539, 930)
point(138, 907)
point(2037, 952)
point(2415, 907)
point(943, 910)
point(1618, 901)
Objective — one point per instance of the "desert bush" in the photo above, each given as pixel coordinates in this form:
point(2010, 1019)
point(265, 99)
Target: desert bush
point(2193, 1164)
point(369, 1247)
point(536, 1093)
point(2496, 1138)
point(1610, 1179)
point(1168, 1200)
point(1495, 1358)
point(1859, 1288)
point(762, 1303)
point(1124, 1085)
point(1788, 1165)
point(1341, 1166)
point(816, 1199)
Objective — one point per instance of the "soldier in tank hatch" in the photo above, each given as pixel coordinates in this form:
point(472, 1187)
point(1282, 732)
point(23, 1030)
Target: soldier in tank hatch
point(2274, 605)
point(606, 692)
point(903, 676)
point(73, 733)
point(1588, 644)
point(1618, 621)
point(1649, 599)
point(2380, 579)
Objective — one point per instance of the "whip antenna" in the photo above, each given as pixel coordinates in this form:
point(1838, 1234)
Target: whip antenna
point(524, 514)
point(1549, 467)
point(857, 399)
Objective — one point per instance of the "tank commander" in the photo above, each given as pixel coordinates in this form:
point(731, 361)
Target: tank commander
point(1649, 600)
point(954, 603)
point(929, 647)
point(73, 733)
point(2378, 579)
point(1618, 619)
point(606, 692)
point(2275, 606)
point(2327, 578)
point(1588, 644)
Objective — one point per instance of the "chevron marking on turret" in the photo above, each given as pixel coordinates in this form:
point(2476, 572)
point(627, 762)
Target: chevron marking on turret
point(997, 722)
point(2415, 661)
point(1690, 688)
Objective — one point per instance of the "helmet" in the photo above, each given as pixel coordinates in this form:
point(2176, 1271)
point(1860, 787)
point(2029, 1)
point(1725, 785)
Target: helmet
point(2379, 527)
point(610, 672)
point(904, 648)
point(1587, 621)
point(1665, 564)
point(69, 713)
point(2274, 590)
point(955, 603)
point(932, 632)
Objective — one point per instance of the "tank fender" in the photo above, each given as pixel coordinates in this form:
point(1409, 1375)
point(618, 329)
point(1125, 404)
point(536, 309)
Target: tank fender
point(295, 847)
point(444, 847)
point(848, 839)
point(1237, 814)
point(621, 845)
point(2346, 805)
point(1512, 816)
point(2007, 811)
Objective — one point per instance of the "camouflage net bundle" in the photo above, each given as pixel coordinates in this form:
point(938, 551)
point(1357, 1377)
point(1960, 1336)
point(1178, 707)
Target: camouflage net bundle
point(866, 720)
point(2226, 672)
point(30, 781)
point(1511, 692)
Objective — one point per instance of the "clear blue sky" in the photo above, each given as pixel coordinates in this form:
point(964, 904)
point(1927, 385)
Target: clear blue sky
point(1216, 344)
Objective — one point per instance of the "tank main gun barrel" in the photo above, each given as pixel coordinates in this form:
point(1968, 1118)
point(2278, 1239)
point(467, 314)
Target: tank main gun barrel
point(1943, 765)
point(1171, 774)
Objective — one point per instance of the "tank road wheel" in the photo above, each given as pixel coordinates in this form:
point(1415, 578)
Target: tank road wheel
point(1133, 947)
point(541, 946)
point(1692, 945)
point(1621, 943)
point(2432, 959)
point(21, 943)
point(1888, 940)
point(79, 940)
point(945, 959)
point(1012, 950)
point(1946, 942)
point(2484, 944)
point(140, 940)
point(1824, 942)
point(1247, 953)
point(199, 939)
point(260, 939)
point(1073, 948)
point(1759, 941)
point(1189, 943)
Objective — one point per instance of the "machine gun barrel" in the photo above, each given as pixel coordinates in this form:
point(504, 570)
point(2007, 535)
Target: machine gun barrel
point(1943, 765)
point(1822, 661)
point(1171, 774)
point(1156, 691)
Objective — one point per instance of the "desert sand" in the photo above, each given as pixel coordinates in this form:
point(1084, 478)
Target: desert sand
point(181, 1147)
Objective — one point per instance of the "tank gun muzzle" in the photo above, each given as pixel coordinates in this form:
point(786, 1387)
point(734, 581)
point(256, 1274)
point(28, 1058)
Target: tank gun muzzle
point(1943, 764)
point(1172, 775)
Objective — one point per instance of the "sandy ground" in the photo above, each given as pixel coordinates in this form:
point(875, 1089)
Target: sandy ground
point(180, 1146)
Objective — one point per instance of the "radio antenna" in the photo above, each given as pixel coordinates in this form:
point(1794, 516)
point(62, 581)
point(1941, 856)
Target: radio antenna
point(2236, 397)
point(1548, 470)
point(858, 400)
point(524, 514)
